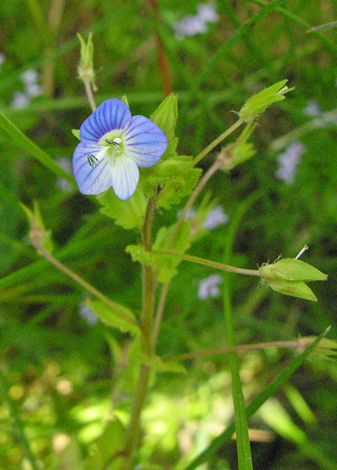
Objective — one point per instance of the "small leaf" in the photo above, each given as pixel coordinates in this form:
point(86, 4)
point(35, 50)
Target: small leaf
point(165, 117)
point(125, 100)
point(114, 318)
point(128, 214)
point(76, 133)
point(178, 186)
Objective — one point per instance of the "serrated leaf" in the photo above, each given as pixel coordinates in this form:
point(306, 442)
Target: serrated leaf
point(128, 214)
point(138, 253)
point(114, 318)
point(296, 270)
point(165, 116)
point(76, 133)
point(178, 186)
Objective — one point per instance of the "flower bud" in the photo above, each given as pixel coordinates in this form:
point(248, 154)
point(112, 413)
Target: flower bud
point(85, 68)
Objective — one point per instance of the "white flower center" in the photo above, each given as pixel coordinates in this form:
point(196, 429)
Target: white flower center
point(110, 147)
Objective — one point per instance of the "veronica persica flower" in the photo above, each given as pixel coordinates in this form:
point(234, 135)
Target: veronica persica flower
point(113, 145)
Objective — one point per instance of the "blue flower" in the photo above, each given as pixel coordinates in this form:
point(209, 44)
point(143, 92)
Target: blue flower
point(113, 145)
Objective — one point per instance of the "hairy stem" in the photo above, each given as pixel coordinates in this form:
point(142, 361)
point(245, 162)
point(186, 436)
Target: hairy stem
point(147, 324)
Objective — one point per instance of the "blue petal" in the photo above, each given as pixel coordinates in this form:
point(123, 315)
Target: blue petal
point(125, 176)
point(91, 180)
point(144, 142)
point(110, 115)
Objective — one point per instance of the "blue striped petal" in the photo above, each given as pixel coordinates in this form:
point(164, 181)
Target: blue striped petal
point(125, 176)
point(110, 115)
point(144, 142)
point(90, 180)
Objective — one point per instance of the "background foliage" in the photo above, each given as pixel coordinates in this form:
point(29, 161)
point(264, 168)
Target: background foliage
point(59, 367)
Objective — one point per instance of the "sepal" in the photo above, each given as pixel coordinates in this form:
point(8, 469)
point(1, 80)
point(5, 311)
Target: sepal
point(128, 214)
point(258, 103)
point(289, 275)
point(165, 116)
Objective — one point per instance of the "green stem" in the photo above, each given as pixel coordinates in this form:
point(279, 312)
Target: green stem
point(147, 324)
point(217, 141)
point(132, 432)
point(159, 313)
point(212, 264)
point(18, 422)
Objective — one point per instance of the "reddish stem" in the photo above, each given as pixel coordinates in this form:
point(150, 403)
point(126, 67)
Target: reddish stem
point(162, 56)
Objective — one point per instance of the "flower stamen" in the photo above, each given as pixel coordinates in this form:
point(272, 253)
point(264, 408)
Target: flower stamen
point(92, 160)
point(114, 142)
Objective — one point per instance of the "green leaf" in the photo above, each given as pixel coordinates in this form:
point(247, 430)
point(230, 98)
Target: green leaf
point(114, 318)
point(104, 448)
point(22, 141)
point(125, 100)
point(176, 177)
point(128, 214)
point(76, 133)
point(138, 253)
point(165, 117)
point(180, 183)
